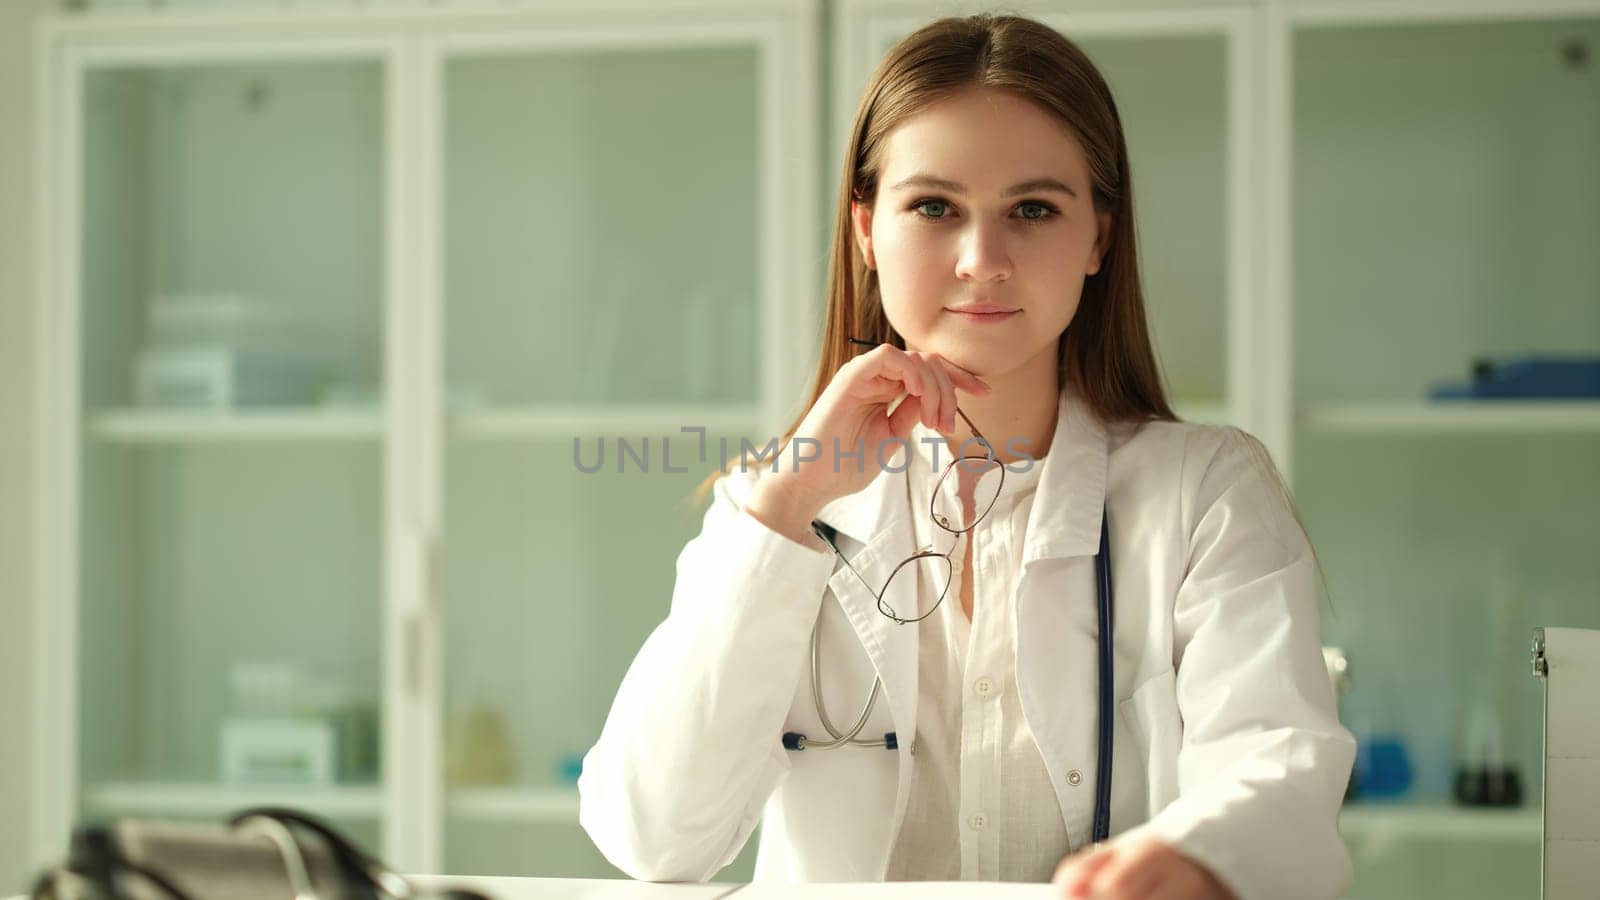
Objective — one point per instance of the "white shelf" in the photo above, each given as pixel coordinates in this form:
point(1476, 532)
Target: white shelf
point(591, 421)
point(1440, 822)
point(312, 423)
point(515, 804)
point(1457, 417)
point(155, 426)
point(211, 800)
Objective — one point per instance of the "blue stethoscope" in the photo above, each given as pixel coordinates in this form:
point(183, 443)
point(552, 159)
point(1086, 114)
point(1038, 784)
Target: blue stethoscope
point(1102, 793)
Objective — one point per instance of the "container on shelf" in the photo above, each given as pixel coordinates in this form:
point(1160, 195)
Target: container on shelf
point(1541, 377)
point(222, 378)
point(1383, 767)
point(277, 750)
point(1485, 774)
point(477, 748)
point(225, 350)
point(287, 727)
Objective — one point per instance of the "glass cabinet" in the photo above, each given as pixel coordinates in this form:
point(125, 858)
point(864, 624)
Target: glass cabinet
point(1444, 221)
point(387, 352)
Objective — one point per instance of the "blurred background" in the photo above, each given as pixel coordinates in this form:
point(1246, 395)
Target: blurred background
point(302, 305)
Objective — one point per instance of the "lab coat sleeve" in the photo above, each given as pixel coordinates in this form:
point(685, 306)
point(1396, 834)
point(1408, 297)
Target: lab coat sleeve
point(691, 749)
point(1264, 759)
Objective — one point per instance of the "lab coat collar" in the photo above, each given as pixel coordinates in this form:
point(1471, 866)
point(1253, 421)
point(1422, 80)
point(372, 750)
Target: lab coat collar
point(1064, 522)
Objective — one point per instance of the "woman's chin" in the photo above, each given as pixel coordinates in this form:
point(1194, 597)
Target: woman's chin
point(984, 357)
point(982, 361)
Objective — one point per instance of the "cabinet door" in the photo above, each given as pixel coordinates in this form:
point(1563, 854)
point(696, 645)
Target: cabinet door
point(1178, 81)
point(224, 268)
point(602, 244)
point(1445, 185)
point(608, 214)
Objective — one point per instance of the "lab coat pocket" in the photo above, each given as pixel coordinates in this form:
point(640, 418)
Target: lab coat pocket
point(1157, 730)
point(846, 677)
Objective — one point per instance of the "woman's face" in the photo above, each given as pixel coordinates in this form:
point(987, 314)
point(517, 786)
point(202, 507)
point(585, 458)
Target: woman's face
point(983, 201)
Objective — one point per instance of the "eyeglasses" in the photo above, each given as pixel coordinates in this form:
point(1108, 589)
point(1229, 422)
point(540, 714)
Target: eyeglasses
point(928, 566)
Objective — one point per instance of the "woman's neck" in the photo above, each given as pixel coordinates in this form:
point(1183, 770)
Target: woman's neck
point(1019, 415)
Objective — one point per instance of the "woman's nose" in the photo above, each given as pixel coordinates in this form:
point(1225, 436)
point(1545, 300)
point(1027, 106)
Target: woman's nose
point(984, 255)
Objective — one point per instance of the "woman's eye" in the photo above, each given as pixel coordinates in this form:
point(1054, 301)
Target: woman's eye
point(939, 207)
point(1035, 212)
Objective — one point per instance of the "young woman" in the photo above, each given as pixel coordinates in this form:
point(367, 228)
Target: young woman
point(1088, 652)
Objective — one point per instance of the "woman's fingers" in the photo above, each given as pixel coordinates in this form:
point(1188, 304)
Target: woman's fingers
point(880, 393)
point(914, 373)
point(1076, 873)
point(904, 416)
point(933, 402)
point(890, 362)
point(947, 397)
point(1141, 869)
point(1132, 874)
point(929, 378)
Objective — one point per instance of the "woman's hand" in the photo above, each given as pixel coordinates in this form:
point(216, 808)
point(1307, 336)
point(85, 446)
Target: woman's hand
point(853, 411)
point(1140, 869)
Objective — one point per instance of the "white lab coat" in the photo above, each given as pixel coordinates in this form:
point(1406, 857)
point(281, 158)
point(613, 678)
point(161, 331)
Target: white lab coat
point(1227, 742)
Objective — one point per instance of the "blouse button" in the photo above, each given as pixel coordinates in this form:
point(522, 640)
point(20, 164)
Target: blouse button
point(1074, 777)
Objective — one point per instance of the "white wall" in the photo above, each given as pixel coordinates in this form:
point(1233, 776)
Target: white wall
point(17, 115)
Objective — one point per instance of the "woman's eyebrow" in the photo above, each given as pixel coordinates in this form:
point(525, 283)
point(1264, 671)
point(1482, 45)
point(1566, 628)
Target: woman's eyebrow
point(934, 182)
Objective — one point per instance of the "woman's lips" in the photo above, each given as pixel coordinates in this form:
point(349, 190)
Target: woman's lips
point(994, 316)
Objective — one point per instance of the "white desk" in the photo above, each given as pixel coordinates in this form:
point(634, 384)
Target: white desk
point(580, 888)
point(608, 889)
point(619, 889)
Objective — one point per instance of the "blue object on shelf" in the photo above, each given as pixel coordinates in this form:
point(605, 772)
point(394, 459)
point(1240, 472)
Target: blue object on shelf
point(1541, 377)
point(571, 767)
point(1383, 767)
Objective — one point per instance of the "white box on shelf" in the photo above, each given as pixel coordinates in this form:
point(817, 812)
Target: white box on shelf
point(223, 378)
point(278, 750)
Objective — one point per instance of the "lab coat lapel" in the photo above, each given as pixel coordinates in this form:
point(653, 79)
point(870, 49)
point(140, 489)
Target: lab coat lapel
point(1056, 627)
point(1065, 519)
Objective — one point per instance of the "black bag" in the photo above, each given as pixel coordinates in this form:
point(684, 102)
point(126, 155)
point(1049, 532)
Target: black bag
point(260, 854)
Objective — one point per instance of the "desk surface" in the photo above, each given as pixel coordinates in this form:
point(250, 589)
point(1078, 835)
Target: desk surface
point(622, 889)
point(618, 889)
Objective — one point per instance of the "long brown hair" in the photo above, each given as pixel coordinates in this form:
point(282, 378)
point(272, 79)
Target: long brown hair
point(1105, 353)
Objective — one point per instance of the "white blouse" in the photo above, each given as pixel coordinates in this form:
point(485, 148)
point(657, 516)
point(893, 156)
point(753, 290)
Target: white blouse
point(982, 806)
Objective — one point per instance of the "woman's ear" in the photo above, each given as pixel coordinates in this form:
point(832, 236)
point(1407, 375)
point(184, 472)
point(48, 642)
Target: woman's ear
point(861, 222)
point(1102, 242)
